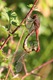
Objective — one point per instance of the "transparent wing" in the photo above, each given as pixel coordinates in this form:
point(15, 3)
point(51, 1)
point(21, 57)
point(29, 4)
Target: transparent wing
point(19, 66)
point(29, 24)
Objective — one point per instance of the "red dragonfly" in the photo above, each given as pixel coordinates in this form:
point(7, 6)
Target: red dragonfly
point(32, 24)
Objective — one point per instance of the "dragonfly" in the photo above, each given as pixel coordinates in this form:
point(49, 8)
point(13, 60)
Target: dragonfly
point(32, 24)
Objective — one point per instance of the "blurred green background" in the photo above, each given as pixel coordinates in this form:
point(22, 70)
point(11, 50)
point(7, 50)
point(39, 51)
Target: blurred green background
point(9, 21)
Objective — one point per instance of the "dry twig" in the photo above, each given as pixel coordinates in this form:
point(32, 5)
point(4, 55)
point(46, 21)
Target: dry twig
point(39, 67)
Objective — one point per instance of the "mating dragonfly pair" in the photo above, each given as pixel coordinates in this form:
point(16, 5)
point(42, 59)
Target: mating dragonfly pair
point(32, 24)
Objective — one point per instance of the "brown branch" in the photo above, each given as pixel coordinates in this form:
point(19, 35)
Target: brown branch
point(9, 52)
point(8, 73)
point(10, 69)
point(39, 67)
point(28, 14)
point(8, 38)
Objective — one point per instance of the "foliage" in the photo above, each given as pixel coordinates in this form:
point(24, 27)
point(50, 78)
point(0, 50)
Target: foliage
point(11, 14)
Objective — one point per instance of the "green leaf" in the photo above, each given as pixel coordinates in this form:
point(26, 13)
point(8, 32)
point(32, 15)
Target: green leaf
point(14, 23)
point(13, 18)
point(12, 45)
point(4, 64)
point(4, 15)
point(3, 32)
point(30, 5)
point(13, 14)
point(1, 54)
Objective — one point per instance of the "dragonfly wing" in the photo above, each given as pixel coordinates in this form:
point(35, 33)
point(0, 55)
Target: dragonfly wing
point(29, 25)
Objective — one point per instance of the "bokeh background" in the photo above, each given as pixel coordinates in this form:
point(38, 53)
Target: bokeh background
point(44, 9)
